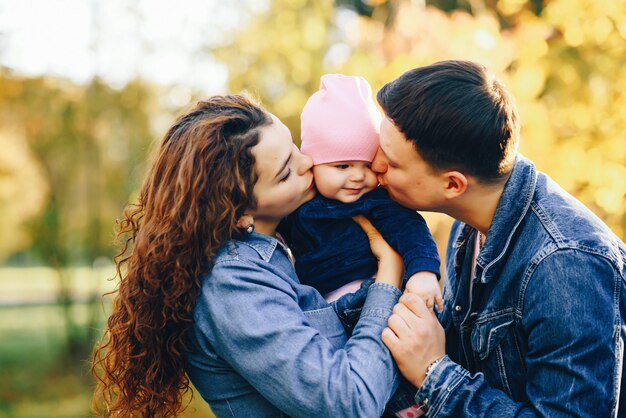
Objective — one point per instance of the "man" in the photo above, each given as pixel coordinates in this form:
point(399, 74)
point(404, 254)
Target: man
point(534, 295)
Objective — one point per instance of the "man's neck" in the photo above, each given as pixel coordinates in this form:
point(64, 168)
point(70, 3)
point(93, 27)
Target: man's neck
point(477, 206)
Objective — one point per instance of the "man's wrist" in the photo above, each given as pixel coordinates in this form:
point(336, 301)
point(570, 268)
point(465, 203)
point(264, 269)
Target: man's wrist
point(429, 369)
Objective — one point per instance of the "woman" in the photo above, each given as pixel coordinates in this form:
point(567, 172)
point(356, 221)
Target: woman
point(202, 299)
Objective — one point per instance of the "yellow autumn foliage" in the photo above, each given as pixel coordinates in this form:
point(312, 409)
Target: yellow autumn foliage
point(564, 65)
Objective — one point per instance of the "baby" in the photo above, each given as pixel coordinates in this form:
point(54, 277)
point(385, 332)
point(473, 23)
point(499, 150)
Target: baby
point(340, 125)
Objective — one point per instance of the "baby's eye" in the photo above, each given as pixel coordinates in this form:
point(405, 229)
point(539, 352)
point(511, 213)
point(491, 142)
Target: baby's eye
point(342, 166)
point(369, 165)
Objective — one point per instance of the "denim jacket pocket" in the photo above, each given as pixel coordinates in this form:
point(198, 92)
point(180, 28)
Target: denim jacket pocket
point(326, 321)
point(498, 354)
point(488, 335)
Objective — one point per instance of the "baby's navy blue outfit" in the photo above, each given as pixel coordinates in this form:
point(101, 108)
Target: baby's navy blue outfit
point(332, 250)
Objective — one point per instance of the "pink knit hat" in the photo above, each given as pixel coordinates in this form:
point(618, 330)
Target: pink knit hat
point(340, 122)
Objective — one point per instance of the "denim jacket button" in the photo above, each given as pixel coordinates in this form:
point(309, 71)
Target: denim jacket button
point(457, 308)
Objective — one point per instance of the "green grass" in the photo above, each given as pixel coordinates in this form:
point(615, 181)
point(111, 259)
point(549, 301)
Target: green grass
point(37, 380)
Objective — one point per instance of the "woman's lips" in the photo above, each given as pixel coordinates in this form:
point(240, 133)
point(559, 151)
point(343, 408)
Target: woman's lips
point(312, 185)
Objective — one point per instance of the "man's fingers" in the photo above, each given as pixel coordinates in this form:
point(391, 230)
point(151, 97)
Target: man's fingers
point(398, 325)
point(416, 305)
point(410, 321)
point(390, 339)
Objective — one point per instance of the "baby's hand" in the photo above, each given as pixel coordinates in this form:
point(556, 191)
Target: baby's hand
point(424, 284)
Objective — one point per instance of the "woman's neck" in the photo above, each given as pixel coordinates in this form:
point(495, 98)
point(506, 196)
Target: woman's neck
point(265, 227)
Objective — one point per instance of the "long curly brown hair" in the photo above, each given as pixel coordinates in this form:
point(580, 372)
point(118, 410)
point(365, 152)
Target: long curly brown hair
point(198, 186)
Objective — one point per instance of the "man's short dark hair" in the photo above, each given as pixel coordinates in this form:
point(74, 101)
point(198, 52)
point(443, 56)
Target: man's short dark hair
point(457, 115)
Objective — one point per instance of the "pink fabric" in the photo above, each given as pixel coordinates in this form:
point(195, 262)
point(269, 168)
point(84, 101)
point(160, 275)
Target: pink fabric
point(412, 412)
point(340, 122)
point(346, 288)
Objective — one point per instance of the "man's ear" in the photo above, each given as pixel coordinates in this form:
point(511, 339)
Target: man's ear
point(456, 184)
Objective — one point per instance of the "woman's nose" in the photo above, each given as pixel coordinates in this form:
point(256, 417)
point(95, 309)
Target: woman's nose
point(305, 165)
point(379, 165)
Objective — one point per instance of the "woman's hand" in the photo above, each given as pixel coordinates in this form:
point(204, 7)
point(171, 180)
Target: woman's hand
point(390, 266)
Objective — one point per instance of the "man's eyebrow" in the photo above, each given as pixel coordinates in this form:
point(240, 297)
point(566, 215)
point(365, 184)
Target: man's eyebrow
point(282, 167)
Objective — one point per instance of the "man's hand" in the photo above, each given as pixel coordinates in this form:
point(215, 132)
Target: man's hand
point(414, 337)
point(425, 285)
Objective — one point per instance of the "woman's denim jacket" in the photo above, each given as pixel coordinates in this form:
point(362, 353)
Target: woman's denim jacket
point(542, 333)
point(264, 345)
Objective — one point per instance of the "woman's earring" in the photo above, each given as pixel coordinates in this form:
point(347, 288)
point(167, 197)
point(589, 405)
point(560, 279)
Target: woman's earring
point(246, 222)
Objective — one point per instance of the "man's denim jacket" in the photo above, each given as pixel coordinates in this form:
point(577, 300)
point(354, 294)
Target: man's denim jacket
point(264, 345)
point(542, 333)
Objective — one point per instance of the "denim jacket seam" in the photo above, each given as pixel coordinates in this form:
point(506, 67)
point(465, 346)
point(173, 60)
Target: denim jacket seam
point(530, 271)
point(574, 245)
point(504, 380)
point(230, 409)
point(545, 221)
point(495, 315)
point(235, 261)
point(530, 192)
point(447, 392)
point(318, 310)
point(568, 246)
point(553, 249)
point(619, 348)
point(226, 258)
point(491, 331)
point(349, 311)
point(561, 242)
point(263, 250)
point(229, 253)
point(387, 287)
point(376, 313)
point(238, 262)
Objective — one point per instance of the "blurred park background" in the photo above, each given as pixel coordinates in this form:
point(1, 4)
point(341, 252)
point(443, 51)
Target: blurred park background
point(88, 87)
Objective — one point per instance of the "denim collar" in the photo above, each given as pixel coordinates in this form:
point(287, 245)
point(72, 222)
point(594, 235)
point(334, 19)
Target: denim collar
point(263, 244)
point(513, 206)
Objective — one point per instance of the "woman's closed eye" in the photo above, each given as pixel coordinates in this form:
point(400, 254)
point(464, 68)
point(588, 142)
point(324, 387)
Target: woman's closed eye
point(286, 176)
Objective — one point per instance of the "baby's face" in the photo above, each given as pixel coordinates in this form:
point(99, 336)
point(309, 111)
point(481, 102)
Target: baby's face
point(345, 181)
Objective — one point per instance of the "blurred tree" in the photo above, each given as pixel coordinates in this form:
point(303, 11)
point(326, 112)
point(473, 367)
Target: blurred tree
point(279, 57)
point(90, 142)
point(23, 189)
point(562, 62)
point(561, 59)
